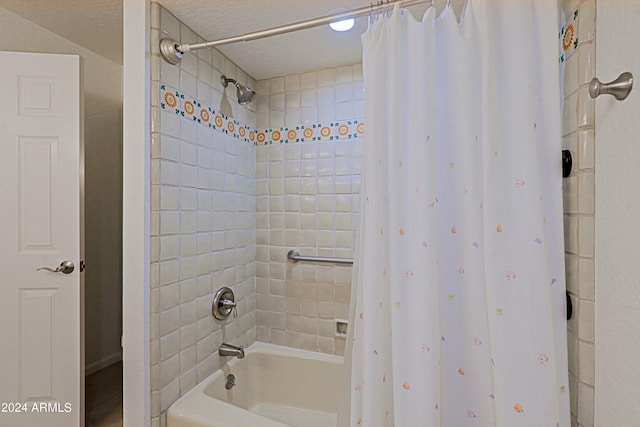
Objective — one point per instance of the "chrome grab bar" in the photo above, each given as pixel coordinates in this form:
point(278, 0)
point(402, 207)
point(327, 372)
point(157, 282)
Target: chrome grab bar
point(294, 256)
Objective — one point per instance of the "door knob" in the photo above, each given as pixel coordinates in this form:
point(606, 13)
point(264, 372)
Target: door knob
point(620, 88)
point(65, 267)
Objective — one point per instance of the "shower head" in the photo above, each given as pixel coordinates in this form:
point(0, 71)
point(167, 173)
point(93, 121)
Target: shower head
point(244, 93)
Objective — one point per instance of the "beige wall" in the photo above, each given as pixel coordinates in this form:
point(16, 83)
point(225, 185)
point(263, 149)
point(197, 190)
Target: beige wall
point(202, 218)
point(103, 174)
point(308, 197)
point(579, 207)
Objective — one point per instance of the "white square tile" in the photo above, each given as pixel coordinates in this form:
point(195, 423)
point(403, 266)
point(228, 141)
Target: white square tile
point(572, 349)
point(571, 82)
point(586, 363)
point(342, 184)
point(586, 274)
point(571, 234)
point(325, 167)
point(586, 108)
point(326, 203)
point(292, 118)
point(292, 168)
point(327, 113)
point(169, 222)
point(276, 85)
point(169, 74)
point(276, 204)
point(326, 77)
point(308, 186)
point(169, 197)
point(586, 228)
point(570, 195)
point(308, 80)
point(308, 98)
point(586, 321)
point(169, 247)
point(327, 149)
point(344, 110)
point(326, 96)
point(276, 102)
point(343, 203)
point(308, 167)
point(292, 82)
point(292, 185)
point(169, 24)
point(586, 197)
point(587, 27)
point(292, 101)
point(307, 204)
point(570, 114)
point(344, 74)
point(357, 72)
point(292, 152)
point(586, 149)
point(276, 187)
point(326, 185)
point(276, 119)
point(344, 92)
point(188, 84)
point(170, 123)
point(585, 405)
point(586, 63)
point(571, 272)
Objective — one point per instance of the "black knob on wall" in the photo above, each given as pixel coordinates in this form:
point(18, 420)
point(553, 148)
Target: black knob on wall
point(567, 162)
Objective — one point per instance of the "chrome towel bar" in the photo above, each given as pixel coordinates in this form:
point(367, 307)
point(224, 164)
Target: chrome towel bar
point(294, 256)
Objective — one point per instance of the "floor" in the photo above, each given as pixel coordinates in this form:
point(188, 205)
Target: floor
point(103, 397)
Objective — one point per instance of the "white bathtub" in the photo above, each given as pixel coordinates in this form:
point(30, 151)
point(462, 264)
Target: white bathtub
point(275, 387)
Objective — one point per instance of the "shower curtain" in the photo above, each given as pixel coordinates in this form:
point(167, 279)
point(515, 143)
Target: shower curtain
point(458, 309)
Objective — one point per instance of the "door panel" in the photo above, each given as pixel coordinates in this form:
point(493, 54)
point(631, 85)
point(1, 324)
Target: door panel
point(40, 137)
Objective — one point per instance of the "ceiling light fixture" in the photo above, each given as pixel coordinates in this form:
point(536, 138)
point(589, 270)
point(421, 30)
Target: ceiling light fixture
point(344, 25)
point(341, 25)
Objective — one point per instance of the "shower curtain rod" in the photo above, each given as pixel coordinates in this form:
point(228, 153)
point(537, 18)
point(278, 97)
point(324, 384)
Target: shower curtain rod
point(172, 51)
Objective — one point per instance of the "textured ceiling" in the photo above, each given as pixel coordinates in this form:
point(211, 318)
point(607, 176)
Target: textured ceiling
point(93, 24)
point(297, 52)
point(97, 25)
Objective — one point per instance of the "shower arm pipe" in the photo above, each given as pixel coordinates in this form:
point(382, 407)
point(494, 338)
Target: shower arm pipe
point(302, 25)
point(294, 256)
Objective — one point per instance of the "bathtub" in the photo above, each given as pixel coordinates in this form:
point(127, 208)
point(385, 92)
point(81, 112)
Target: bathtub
point(275, 387)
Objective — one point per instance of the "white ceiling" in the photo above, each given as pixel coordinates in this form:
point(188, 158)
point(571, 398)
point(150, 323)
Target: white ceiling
point(97, 25)
point(301, 51)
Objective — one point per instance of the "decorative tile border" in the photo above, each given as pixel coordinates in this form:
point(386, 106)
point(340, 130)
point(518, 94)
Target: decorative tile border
point(193, 110)
point(315, 132)
point(568, 36)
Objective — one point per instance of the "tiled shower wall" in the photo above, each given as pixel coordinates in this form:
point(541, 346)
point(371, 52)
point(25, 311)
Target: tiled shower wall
point(307, 199)
point(202, 219)
point(578, 58)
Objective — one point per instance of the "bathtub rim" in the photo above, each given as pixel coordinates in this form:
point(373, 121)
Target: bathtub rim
point(186, 407)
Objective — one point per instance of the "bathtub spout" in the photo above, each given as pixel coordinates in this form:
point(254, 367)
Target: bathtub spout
point(231, 350)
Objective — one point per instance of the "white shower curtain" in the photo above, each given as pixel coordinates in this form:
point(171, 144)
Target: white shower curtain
point(458, 306)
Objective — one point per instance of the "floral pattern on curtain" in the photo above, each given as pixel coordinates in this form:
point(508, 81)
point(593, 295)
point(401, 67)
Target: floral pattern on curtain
point(458, 300)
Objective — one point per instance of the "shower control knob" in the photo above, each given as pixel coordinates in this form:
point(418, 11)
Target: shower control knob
point(224, 302)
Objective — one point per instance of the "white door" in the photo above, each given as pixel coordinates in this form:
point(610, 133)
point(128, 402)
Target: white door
point(40, 213)
point(617, 258)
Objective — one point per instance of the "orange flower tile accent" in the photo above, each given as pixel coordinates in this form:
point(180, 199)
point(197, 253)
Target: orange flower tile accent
point(193, 110)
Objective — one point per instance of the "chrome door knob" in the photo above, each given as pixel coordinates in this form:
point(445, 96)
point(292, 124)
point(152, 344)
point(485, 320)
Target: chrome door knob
point(65, 267)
